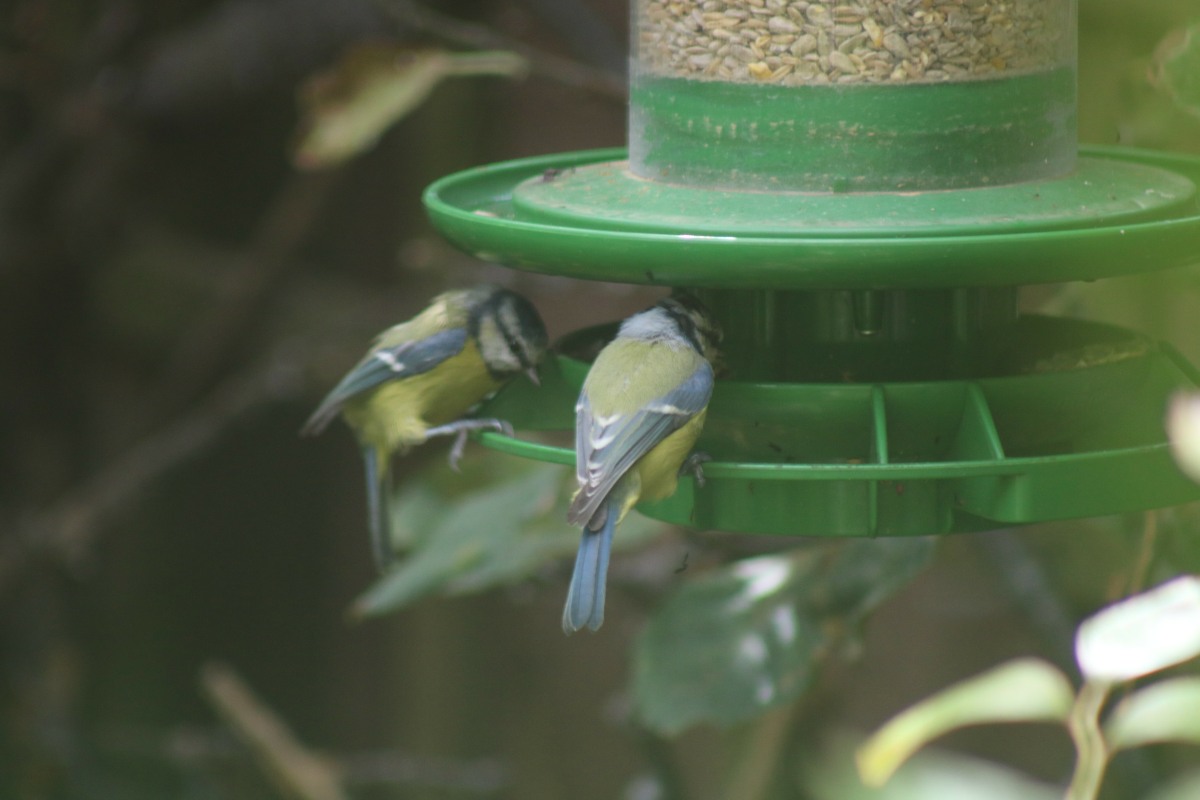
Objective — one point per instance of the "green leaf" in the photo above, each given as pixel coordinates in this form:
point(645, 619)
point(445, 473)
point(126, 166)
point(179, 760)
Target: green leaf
point(543, 539)
point(349, 107)
point(746, 638)
point(459, 538)
point(1181, 787)
point(726, 646)
point(1142, 634)
point(1024, 690)
point(1176, 68)
point(1183, 429)
point(862, 574)
point(931, 775)
point(1168, 711)
point(415, 508)
point(497, 533)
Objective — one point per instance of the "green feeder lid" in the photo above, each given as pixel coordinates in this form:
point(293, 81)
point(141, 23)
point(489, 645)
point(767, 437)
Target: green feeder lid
point(585, 215)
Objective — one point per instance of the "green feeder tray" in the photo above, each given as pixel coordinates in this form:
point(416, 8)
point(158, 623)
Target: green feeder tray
point(584, 215)
point(861, 238)
point(1072, 427)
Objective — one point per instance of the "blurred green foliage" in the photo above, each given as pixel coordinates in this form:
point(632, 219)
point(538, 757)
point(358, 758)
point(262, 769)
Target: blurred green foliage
point(1134, 638)
point(500, 523)
point(749, 637)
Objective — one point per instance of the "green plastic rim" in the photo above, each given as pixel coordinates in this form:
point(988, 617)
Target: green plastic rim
point(1137, 213)
point(1072, 432)
point(1099, 192)
point(899, 137)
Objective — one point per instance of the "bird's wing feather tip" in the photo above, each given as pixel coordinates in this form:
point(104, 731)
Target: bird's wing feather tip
point(571, 621)
point(316, 424)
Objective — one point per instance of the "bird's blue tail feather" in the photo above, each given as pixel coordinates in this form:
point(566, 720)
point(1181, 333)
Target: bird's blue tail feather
point(378, 508)
point(585, 598)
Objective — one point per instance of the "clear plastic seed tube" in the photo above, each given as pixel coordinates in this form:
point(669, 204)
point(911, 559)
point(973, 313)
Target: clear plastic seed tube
point(879, 95)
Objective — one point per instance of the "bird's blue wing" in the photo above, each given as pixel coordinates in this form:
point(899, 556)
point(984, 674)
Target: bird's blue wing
point(606, 447)
point(387, 363)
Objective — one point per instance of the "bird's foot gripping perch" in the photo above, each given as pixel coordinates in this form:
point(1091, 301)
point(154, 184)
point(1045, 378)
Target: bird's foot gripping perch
point(695, 465)
point(461, 428)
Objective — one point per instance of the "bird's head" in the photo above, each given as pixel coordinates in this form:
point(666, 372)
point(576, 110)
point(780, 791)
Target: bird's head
point(692, 320)
point(508, 331)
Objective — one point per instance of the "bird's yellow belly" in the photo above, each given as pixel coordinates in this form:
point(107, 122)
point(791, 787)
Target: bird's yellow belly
point(656, 474)
point(397, 414)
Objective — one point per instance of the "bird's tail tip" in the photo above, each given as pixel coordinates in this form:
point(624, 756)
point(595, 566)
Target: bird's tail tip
point(585, 598)
point(379, 508)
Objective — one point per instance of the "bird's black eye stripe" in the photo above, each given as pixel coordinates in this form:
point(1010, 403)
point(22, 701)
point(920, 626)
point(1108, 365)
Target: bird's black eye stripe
point(510, 337)
point(475, 321)
point(685, 323)
point(514, 344)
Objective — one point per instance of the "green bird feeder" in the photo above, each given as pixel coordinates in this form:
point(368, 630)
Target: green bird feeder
point(858, 192)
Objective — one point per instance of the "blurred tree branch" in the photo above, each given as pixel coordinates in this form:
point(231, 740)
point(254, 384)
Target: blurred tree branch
point(1027, 584)
point(584, 31)
point(1147, 549)
point(207, 348)
point(66, 529)
point(297, 771)
point(212, 750)
point(415, 16)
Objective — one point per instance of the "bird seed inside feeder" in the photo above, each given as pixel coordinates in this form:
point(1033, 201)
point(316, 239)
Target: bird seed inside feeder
point(795, 42)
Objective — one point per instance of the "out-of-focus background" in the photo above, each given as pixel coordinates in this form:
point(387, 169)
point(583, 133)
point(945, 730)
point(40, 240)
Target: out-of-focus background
point(175, 298)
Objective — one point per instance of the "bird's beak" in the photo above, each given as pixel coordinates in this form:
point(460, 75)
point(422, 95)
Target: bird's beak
point(533, 376)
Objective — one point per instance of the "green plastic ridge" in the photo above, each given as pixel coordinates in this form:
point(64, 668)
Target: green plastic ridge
point(916, 458)
point(480, 211)
point(899, 137)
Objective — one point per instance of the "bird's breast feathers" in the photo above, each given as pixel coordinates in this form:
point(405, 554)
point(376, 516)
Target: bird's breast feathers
point(659, 468)
point(397, 414)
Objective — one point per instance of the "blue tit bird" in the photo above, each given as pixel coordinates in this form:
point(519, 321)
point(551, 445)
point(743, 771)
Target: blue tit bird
point(421, 376)
point(640, 411)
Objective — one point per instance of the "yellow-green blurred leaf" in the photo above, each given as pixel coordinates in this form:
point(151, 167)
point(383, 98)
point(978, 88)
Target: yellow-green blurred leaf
point(1168, 711)
point(932, 774)
point(1142, 634)
point(1176, 68)
point(1183, 429)
point(1181, 787)
point(347, 109)
point(1024, 690)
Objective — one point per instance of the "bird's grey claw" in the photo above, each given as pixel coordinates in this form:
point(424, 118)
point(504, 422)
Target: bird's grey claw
point(456, 450)
point(498, 425)
point(462, 429)
point(694, 465)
